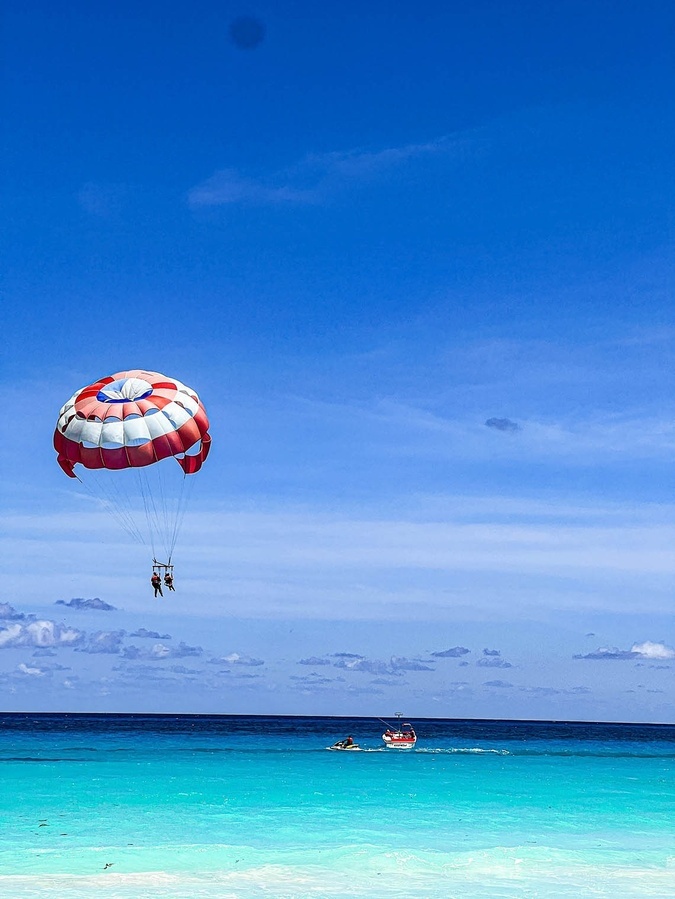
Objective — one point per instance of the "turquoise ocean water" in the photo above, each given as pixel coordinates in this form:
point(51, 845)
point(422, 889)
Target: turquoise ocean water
point(221, 807)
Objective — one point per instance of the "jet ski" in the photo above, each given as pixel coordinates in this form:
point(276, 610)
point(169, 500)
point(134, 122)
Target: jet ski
point(344, 746)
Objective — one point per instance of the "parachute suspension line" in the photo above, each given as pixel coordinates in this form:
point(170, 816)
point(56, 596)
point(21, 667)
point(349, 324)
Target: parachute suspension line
point(183, 496)
point(120, 498)
point(115, 503)
point(146, 497)
point(169, 505)
point(164, 506)
point(161, 500)
point(171, 532)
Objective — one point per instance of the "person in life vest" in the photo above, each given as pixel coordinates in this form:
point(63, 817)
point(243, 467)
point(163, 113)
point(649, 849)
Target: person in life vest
point(156, 582)
point(168, 581)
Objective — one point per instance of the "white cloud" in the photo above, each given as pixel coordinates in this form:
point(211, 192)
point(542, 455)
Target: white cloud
point(314, 561)
point(10, 636)
point(40, 633)
point(160, 651)
point(648, 650)
point(31, 672)
point(395, 666)
point(654, 651)
point(236, 658)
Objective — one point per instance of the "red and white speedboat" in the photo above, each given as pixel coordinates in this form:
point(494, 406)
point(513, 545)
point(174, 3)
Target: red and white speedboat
point(402, 737)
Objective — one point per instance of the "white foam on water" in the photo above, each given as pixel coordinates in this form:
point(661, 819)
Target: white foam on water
point(464, 751)
point(500, 873)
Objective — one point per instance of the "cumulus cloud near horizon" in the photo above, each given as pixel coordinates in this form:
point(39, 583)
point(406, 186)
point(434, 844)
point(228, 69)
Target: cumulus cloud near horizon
point(95, 604)
point(9, 613)
point(311, 680)
point(236, 658)
point(396, 665)
point(649, 650)
point(160, 651)
point(455, 652)
point(40, 633)
point(493, 662)
point(144, 633)
point(107, 642)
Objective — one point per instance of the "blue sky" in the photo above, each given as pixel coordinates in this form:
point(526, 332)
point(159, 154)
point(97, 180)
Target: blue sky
point(359, 241)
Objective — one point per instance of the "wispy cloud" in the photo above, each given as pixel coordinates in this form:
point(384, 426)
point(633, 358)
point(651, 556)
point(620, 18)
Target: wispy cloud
point(313, 680)
point(536, 690)
point(228, 186)
point(319, 561)
point(630, 435)
point(313, 178)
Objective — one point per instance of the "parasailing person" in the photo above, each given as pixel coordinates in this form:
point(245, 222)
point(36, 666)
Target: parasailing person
point(122, 431)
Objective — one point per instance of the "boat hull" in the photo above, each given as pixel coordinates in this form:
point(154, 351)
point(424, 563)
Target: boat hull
point(401, 739)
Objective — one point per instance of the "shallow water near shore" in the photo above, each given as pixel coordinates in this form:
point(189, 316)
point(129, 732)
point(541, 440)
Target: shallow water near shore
point(176, 806)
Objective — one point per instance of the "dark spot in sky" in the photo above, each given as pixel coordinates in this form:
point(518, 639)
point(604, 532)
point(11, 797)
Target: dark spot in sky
point(247, 32)
point(502, 424)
